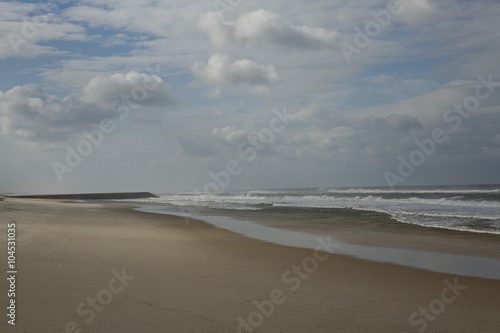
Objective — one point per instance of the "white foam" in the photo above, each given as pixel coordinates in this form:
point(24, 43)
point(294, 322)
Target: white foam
point(450, 212)
point(410, 191)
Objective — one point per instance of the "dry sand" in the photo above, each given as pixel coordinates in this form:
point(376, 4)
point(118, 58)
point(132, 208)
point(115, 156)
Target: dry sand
point(178, 277)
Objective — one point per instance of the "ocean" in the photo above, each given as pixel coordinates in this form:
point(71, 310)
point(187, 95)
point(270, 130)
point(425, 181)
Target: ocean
point(468, 208)
point(297, 217)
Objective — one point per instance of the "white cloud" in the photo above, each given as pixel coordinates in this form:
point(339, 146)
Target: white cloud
point(219, 71)
point(161, 18)
point(261, 27)
point(211, 23)
point(417, 11)
point(29, 113)
point(322, 134)
point(12, 11)
point(21, 31)
point(286, 51)
point(230, 135)
point(148, 90)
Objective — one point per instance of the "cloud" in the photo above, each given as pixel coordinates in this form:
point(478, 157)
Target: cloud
point(218, 33)
point(196, 148)
point(220, 72)
point(381, 78)
point(395, 90)
point(22, 31)
point(150, 17)
point(144, 90)
point(323, 134)
point(394, 122)
point(417, 11)
point(261, 27)
point(319, 116)
point(238, 138)
point(230, 136)
point(30, 114)
point(10, 11)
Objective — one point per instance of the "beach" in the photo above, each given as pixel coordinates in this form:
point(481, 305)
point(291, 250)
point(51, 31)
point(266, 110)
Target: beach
point(105, 268)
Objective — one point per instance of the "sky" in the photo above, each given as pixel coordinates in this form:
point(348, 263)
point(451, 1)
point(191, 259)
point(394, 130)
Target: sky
point(162, 96)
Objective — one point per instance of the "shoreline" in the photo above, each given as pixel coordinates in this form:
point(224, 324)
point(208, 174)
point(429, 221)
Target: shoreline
point(194, 277)
point(428, 249)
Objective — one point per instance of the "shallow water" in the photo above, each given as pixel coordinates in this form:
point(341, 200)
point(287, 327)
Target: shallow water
point(434, 261)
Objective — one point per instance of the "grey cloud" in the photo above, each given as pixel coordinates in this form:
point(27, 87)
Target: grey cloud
point(144, 90)
point(263, 27)
point(196, 148)
point(319, 132)
point(219, 71)
point(233, 138)
point(230, 135)
point(320, 117)
point(29, 113)
point(394, 122)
